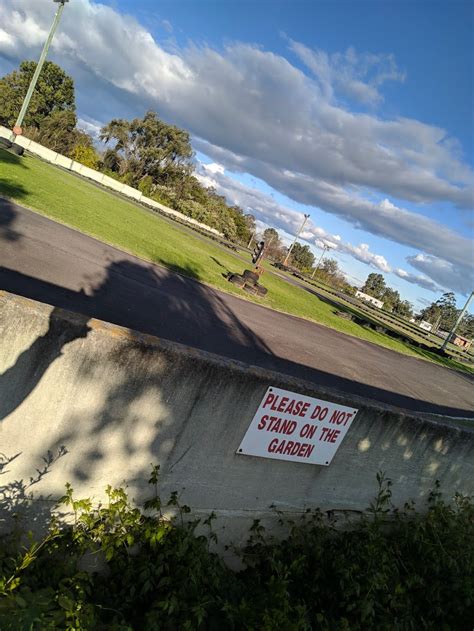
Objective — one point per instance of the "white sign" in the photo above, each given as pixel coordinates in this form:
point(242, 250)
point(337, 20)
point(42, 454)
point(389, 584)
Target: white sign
point(291, 426)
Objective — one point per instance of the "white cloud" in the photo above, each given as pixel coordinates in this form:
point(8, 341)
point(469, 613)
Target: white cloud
point(459, 278)
point(383, 219)
point(415, 279)
point(354, 75)
point(264, 208)
point(7, 42)
point(362, 253)
point(91, 126)
point(214, 168)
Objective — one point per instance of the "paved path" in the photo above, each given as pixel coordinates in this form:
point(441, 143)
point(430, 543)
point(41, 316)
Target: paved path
point(46, 261)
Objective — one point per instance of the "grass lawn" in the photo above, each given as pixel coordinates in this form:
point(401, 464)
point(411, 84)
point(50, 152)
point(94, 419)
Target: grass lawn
point(75, 202)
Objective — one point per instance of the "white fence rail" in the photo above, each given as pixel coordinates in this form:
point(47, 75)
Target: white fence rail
point(104, 180)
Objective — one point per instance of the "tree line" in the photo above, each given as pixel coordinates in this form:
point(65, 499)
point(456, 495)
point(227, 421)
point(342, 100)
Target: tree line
point(146, 153)
point(441, 313)
point(375, 286)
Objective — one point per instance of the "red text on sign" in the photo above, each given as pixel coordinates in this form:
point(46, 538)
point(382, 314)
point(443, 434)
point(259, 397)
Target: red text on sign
point(290, 448)
point(329, 435)
point(286, 405)
point(277, 424)
point(319, 413)
point(341, 417)
point(308, 431)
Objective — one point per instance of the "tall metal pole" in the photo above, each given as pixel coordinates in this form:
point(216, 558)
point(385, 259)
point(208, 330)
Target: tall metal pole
point(17, 128)
point(306, 217)
point(453, 330)
point(325, 249)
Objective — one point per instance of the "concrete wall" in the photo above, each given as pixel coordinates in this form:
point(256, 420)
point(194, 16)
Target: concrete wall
point(118, 400)
point(102, 179)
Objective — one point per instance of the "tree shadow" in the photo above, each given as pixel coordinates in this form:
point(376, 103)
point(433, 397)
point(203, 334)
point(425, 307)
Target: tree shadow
point(158, 299)
point(176, 307)
point(20, 509)
point(217, 262)
point(10, 158)
point(8, 213)
point(18, 381)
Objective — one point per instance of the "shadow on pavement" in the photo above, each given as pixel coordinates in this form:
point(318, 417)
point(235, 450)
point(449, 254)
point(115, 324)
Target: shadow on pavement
point(174, 307)
point(8, 213)
point(130, 295)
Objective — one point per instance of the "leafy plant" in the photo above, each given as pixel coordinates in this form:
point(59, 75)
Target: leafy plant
point(389, 570)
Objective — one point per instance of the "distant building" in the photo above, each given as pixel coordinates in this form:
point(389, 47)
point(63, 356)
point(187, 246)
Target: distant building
point(460, 341)
point(371, 299)
point(427, 326)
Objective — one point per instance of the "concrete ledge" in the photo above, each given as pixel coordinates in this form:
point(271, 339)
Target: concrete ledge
point(118, 400)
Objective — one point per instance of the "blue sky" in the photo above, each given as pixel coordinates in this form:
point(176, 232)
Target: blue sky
point(359, 113)
point(432, 42)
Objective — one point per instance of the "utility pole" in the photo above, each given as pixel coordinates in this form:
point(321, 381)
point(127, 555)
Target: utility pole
point(306, 217)
point(453, 330)
point(24, 108)
point(325, 249)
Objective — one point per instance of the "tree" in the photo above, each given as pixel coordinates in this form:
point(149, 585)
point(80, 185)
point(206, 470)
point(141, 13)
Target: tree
point(466, 326)
point(391, 299)
point(54, 93)
point(274, 247)
point(442, 313)
point(374, 285)
point(149, 146)
point(251, 224)
point(329, 267)
point(111, 161)
point(270, 235)
point(404, 309)
point(302, 257)
point(58, 132)
point(242, 229)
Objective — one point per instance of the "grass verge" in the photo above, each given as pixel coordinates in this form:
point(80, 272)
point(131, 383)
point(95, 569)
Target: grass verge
point(75, 202)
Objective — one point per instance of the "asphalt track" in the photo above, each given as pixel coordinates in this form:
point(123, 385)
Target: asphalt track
point(47, 261)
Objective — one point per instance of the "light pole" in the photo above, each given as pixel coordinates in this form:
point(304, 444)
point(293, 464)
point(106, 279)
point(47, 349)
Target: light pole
point(453, 330)
point(306, 217)
point(325, 249)
point(17, 127)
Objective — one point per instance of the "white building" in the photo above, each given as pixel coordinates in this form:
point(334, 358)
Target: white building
point(427, 326)
point(371, 299)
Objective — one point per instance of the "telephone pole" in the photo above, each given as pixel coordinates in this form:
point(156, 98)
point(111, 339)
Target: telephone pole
point(17, 130)
point(306, 217)
point(325, 249)
point(453, 330)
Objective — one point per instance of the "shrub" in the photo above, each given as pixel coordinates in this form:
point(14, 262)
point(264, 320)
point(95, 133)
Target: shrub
point(86, 155)
point(390, 570)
